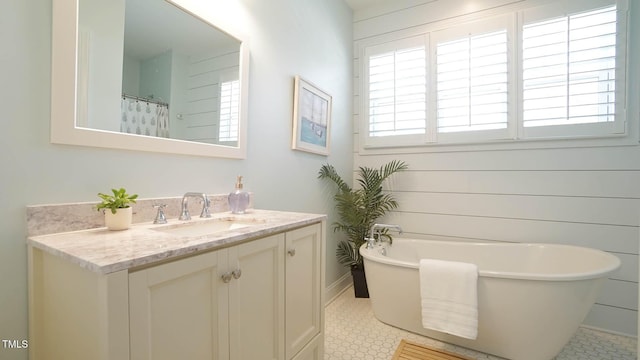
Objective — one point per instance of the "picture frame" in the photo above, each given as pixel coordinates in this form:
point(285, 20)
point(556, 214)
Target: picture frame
point(311, 118)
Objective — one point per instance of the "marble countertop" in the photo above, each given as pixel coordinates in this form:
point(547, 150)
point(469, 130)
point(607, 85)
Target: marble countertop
point(104, 251)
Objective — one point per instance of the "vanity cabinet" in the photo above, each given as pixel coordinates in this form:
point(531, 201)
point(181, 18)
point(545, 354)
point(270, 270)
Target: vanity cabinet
point(226, 304)
point(303, 295)
point(259, 299)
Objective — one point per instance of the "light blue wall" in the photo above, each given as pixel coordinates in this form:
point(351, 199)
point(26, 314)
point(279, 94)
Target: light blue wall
point(155, 77)
point(310, 38)
point(130, 76)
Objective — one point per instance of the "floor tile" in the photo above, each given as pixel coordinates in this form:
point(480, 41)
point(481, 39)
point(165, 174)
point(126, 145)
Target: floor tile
point(353, 333)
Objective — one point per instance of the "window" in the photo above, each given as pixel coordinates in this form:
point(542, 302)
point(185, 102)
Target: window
point(396, 90)
point(569, 73)
point(559, 72)
point(229, 110)
point(472, 83)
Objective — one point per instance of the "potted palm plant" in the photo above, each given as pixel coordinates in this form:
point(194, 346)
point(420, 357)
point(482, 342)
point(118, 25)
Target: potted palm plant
point(120, 214)
point(358, 209)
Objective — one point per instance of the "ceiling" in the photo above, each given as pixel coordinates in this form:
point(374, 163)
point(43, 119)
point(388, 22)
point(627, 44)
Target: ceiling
point(153, 27)
point(361, 4)
point(148, 32)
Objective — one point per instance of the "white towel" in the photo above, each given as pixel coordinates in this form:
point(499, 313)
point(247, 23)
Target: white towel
point(449, 292)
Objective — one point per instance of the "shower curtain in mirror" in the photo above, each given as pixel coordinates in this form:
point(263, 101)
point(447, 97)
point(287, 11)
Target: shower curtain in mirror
point(144, 117)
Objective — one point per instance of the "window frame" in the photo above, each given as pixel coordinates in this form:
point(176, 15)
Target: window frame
point(516, 132)
point(575, 131)
point(395, 140)
point(230, 77)
point(459, 32)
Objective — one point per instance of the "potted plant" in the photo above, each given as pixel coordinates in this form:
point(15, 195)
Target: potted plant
point(358, 210)
point(120, 214)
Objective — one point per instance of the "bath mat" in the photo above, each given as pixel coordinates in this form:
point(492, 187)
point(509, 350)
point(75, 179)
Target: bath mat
point(412, 351)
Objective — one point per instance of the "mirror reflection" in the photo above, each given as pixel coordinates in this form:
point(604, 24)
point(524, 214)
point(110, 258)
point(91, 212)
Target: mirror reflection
point(147, 67)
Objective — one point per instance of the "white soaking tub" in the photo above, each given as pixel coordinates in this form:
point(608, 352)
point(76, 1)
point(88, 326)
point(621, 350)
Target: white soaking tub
point(531, 297)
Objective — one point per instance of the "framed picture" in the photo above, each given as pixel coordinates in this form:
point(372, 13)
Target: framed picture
point(311, 118)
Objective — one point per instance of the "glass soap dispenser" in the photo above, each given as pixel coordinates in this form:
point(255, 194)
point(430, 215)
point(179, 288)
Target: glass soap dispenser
point(238, 199)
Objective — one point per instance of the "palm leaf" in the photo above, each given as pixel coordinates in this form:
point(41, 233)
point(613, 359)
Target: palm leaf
point(358, 209)
point(346, 255)
point(329, 172)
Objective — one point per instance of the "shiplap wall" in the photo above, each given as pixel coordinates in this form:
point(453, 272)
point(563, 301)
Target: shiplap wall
point(570, 192)
point(203, 94)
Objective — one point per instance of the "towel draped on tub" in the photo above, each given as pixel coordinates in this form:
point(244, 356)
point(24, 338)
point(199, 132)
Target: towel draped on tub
point(449, 294)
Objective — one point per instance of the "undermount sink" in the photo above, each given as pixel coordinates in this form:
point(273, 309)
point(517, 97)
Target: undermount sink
point(208, 227)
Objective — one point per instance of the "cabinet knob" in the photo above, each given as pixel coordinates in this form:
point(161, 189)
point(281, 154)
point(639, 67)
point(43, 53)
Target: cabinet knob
point(236, 273)
point(226, 277)
point(291, 252)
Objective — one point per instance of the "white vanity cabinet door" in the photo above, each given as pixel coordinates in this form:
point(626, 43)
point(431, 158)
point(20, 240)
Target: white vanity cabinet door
point(185, 310)
point(256, 300)
point(174, 310)
point(313, 351)
point(303, 287)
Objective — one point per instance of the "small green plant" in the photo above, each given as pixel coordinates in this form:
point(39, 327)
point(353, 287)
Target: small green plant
point(119, 200)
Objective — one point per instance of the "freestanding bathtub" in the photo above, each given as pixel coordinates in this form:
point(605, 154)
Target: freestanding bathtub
point(531, 297)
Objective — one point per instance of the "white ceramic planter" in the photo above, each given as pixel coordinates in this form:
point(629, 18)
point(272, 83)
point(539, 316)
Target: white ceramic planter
point(121, 220)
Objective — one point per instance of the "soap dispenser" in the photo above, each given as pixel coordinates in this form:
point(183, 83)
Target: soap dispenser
point(238, 199)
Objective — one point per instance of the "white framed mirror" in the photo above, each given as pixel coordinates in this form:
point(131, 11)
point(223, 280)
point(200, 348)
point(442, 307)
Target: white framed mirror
point(119, 82)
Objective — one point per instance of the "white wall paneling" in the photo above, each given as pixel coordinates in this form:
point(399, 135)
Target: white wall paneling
point(577, 192)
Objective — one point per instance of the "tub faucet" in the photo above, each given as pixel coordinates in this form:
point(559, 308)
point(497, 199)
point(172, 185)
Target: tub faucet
point(371, 240)
point(184, 213)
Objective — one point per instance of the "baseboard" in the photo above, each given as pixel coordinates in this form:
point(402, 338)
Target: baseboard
point(337, 287)
point(607, 331)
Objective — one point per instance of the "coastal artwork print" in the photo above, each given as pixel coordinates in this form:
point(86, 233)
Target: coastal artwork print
point(311, 118)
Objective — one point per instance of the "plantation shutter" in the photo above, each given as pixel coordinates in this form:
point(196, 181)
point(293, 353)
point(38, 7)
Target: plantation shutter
point(397, 92)
point(472, 83)
point(569, 69)
point(229, 110)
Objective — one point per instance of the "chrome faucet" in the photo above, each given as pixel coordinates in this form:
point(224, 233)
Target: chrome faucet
point(184, 213)
point(160, 216)
point(371, 240)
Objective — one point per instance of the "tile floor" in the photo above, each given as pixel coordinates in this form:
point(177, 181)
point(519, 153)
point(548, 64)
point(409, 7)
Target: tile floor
point(346, 316)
